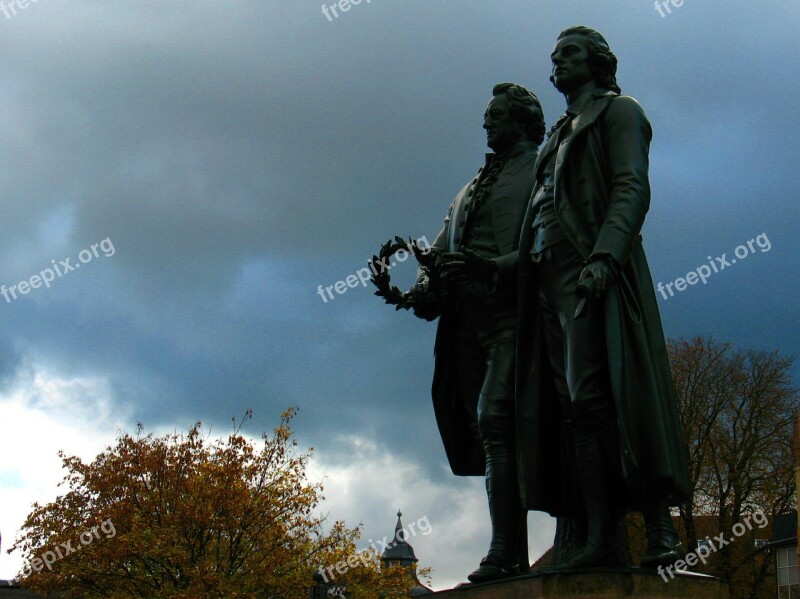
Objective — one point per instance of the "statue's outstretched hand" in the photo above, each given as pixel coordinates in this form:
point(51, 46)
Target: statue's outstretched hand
point(427, 304)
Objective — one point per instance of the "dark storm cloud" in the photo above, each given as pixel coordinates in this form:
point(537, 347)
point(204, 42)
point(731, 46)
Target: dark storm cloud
point(241, 154)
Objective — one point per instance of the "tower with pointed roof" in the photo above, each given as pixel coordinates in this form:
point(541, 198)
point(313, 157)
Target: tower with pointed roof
point(400, 553)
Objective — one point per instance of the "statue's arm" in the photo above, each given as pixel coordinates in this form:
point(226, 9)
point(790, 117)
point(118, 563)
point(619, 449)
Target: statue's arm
point(626, 133)
point(430, 304)
point(440, 242)
point(439, 245)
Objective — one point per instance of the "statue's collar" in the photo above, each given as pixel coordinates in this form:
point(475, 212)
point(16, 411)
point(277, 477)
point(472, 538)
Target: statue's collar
point(579, 105)
point(518, 149)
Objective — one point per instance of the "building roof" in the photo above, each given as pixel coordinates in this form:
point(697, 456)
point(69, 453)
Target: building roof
point(399, 549)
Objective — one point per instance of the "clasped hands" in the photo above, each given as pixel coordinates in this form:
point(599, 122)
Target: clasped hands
point(466, 267)
point(456, 270)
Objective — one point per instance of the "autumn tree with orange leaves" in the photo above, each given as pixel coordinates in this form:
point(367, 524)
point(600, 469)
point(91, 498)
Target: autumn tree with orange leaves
point(193, 518)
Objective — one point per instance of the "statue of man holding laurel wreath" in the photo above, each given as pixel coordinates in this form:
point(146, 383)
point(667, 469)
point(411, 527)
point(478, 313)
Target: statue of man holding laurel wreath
point(473, 381)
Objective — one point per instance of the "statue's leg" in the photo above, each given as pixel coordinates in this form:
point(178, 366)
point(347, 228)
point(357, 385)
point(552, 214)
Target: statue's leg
point(577, 352)
point(497, 429)
point(570, 539)
point(663, 544)
point(595, 439)
point(496, 423)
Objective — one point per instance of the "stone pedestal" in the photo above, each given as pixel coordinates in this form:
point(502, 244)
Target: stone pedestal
point(594, 584)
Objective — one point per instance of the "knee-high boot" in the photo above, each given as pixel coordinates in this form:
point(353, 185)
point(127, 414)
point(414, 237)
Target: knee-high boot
point(505, 507)
point(663, 544)
point(505, 510)
point(596, 453)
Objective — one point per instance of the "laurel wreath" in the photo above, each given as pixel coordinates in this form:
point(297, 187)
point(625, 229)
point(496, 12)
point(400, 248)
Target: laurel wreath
point(417, 297)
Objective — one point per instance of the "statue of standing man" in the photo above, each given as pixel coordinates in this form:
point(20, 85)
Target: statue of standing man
point(473, 383)
point(594, 389)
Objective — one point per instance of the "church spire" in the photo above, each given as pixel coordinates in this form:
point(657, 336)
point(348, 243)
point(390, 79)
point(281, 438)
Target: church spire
point(400, 553)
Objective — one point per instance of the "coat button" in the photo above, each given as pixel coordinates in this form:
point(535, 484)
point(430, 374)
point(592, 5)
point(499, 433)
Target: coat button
point(581, 179)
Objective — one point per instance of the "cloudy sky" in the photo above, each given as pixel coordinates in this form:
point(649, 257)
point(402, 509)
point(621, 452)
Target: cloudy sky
point(208, 165)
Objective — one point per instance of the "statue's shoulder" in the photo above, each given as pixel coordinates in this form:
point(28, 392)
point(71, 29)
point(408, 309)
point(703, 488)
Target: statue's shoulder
point(625, 105)
point(624, 113)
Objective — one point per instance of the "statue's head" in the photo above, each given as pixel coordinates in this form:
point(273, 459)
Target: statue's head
point(582, 55)
point(513, 114)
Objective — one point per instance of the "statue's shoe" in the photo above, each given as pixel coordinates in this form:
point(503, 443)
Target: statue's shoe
point(489, 570)
point(660, 556)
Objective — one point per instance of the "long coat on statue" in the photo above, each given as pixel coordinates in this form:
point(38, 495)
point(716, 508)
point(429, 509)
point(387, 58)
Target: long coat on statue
point(602, 194)
point(456, 413)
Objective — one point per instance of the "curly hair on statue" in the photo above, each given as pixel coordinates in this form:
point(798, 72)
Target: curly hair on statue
point(524, 106)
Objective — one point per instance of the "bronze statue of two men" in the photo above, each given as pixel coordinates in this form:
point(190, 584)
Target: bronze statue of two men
point(551, 376)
